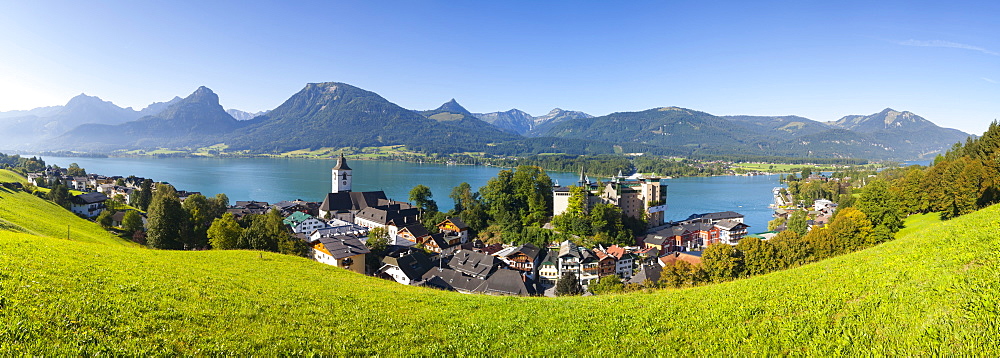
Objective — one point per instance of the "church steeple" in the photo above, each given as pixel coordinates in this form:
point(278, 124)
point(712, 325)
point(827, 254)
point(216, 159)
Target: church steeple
point(584, 181)
point(341, 175)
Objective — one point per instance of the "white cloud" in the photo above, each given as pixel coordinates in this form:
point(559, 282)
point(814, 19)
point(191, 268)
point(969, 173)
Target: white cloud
point(949, 44)
point(990, 80)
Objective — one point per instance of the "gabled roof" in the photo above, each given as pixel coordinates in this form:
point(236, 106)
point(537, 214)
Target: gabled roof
point(455, 221)
point(507, 282)
point(671, 258)
point(296, 218)
point(731, 225)
point(717, 215)
point(88, 198)
point(385, 215)
point(653, 239)
point(616, 251)
point(568, 248)
point(473, 263)
point(449, 279)
point(528, 249)
point(417, 230)
point(647, 272)
point(342, 246)
point(413, 265)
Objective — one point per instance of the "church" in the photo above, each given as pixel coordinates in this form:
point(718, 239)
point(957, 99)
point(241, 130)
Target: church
point(344, 204)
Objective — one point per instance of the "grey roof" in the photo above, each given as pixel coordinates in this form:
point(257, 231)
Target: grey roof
point(458, 223)
point(731, 224)
point(568, 248)
point(449, 279)
point(653, 239)
point(529, 250)
point(350, 200)
point(384, 215)
point(342, 163)
point(417, 230)
point(413, 265)
point(717, 215)
point(647, 272)
point(473, 263)
point(88, 198)
point(507, 282)
point(344, 246)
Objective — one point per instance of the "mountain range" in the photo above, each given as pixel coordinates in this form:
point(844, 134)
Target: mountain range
point(336, 114)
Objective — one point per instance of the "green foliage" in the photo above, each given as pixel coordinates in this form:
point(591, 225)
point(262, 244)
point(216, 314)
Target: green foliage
point(169, 226)
point(569, 285)
point(759, 257)
point(132, 223)
point(607, 285)
point(265, 232)
point(518, 198)
point(105, 219)
point(59, 195)
point(883, 209)
point(681, 274)
point(224, 233)
point(378, 242)
point(797, 222)
point(141, 198)
point(75, 170)
point(721, 262)
point(791, 250)
point(421, 196)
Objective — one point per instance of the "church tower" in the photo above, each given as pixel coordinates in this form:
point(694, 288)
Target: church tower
point(341, 176)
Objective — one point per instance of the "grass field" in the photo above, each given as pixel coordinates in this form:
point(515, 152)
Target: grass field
point(931, 292)
point(23, 212)
point(784, 168)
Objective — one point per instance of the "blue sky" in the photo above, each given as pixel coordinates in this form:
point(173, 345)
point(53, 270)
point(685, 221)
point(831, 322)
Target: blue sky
point(818, 59)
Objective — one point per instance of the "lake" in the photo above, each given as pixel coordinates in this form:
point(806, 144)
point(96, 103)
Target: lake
point(277, 179)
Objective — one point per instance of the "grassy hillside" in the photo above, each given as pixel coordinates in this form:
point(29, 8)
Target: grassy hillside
point(931, 292)
point(23, 212)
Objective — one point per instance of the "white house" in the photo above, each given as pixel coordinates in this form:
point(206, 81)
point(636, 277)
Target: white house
point(88, 205)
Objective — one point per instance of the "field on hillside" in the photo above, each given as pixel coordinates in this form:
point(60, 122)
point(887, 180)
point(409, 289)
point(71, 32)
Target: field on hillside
point(931, 292)
point(23, 212)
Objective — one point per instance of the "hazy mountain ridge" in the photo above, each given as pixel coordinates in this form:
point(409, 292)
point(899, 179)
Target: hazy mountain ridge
point(520, 122)
point(244, 115)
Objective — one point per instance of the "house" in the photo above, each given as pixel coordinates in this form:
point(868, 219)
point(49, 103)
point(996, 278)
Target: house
point(548, 270)
point(503, 282)
point(392, 217)
point(88, 205)
point(716, 217)
point(338, 227)
point(455, 230)
point(731, 231)
point(526, 258)
point(249, 207)
point(406, 269)
point(606, 263)
point(625, 261)
point(474, 264)
point(119, 217)
point(302, 223)
point(577, 260)
point(346, 252)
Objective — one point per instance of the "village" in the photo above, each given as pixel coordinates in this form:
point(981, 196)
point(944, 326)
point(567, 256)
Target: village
point(337, 231)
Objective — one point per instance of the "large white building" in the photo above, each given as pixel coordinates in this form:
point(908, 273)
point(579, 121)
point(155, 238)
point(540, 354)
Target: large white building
point(637, 196)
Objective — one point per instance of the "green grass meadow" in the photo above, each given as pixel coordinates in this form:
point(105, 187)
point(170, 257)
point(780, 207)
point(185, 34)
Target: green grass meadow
point(933, 291)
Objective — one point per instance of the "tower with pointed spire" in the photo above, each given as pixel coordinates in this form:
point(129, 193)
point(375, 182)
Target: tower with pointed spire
point(341, 176)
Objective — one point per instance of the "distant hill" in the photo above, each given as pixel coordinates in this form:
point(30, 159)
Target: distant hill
point(544, 123)
point(520, 122)
point(244, 115)
point(903, 132)
point(194, 120)
point(48, 122)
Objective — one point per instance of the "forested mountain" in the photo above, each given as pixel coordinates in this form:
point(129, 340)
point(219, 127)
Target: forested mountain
point(793, 125)
point(336, 114)
point(193, 120)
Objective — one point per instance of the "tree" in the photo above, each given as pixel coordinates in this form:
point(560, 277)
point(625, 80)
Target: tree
point(141, 198)
point(463, 197)
point(105, 219)
point(132, 223)
point(790, 248)
point(607, 285)
point(264, 232)
point(851, 230)
point(59, 194)
point(882, 208)
point(421, 196)
point(378, 242)
point(797, 222)
point(759, 257)
point(75, 170)
point(224, 233)
point(775, 224)
point(721, 262)
point(568, 285)
point(169, 225)
point(199, 212)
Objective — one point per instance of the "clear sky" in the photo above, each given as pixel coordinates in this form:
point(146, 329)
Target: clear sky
point(817, 59)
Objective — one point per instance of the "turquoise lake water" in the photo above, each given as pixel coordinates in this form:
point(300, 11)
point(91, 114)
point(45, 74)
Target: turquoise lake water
point(275, 179)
